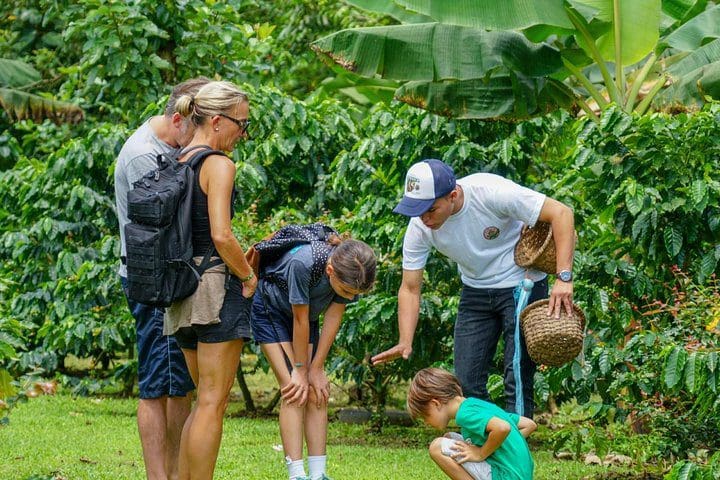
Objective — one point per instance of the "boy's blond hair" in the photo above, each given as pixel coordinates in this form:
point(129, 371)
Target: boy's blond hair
point(431, 384)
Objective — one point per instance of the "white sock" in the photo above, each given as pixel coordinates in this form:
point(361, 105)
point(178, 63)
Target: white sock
point(296, 468)
point(316, 465)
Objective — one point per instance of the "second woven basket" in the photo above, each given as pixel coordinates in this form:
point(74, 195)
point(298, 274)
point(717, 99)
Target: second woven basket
point(551, 341)
point(536, 248)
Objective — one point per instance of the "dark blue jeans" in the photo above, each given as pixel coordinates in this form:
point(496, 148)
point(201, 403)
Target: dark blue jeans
point(483, 315)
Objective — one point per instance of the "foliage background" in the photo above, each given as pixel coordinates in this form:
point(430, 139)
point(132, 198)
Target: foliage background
point(643, 189)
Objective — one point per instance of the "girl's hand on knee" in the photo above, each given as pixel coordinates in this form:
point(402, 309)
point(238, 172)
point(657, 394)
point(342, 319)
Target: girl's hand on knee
point(296, 391)
point(320, 385)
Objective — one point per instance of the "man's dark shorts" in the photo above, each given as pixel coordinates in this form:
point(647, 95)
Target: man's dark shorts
point(161, 365)
point(234, 321)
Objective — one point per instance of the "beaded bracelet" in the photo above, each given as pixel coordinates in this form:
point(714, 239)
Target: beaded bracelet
point(245, 279)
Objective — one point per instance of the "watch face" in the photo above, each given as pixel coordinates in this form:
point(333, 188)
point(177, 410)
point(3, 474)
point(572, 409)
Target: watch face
point(565, 276)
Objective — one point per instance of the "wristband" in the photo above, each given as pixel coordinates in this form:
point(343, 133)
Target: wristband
point(249, 277)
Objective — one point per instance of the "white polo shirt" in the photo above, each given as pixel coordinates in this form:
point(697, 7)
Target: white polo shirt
point(481, 237)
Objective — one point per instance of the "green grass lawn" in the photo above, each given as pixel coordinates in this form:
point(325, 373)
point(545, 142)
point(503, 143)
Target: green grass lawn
point(96, 438)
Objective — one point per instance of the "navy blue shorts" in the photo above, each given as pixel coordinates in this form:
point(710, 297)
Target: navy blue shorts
point(234, 321)
point(161, 365)
point(271, 326)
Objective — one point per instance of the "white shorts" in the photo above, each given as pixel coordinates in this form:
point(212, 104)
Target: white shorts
point(477, 470)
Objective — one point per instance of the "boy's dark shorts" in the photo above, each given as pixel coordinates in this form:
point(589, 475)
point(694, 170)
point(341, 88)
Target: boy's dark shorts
point(161, 364)
point(234, 321)
point(271, 326)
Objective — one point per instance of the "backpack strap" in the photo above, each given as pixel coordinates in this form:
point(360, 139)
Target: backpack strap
point(321, 251)
point(198, 157)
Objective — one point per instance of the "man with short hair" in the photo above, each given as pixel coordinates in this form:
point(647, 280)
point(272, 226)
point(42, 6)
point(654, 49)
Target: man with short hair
point(163, 377)
point(476, 221)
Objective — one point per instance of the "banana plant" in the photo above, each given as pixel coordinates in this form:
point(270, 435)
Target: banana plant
point(16, 79)
point(519, 58)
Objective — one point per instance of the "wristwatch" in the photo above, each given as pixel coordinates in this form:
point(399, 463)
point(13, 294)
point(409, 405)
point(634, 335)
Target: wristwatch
point(565, 275)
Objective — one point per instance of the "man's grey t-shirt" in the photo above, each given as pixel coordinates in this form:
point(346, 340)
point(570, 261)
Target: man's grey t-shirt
point(137, 157)
point(294, 267)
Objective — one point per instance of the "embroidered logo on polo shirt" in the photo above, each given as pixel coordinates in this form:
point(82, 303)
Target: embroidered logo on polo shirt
point(491, 233)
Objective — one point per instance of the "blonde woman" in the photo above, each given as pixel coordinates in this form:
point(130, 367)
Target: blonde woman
point(211, 325)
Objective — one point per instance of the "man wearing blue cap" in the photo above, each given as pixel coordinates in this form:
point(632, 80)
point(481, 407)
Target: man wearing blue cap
point(476, 221)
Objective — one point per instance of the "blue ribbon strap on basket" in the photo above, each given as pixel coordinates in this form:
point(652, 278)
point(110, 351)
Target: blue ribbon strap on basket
point(522, 296)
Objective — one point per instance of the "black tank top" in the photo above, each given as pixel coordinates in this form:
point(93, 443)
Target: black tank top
point(201, 239)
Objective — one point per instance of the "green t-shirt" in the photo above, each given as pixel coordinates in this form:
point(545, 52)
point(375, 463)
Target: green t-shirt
point(512, 459)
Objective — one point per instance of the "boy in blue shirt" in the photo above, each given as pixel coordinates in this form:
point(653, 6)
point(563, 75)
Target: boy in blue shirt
point(492, 443)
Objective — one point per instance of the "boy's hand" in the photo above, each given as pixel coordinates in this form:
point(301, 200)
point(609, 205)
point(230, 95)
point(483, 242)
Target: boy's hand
point(466, 452)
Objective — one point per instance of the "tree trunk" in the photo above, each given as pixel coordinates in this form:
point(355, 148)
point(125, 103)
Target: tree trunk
point(247, 396)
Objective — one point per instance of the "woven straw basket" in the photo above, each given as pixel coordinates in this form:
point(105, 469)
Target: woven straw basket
point(536, 248)
point(551, 341)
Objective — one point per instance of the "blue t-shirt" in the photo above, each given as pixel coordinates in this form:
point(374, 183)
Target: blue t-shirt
point(512, 459)
point(295, 268)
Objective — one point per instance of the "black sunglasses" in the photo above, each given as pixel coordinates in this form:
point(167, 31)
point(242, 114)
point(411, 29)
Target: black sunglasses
point(242, 124)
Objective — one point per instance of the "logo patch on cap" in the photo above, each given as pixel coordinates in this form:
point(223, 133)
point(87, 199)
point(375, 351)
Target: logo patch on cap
point(412, 185)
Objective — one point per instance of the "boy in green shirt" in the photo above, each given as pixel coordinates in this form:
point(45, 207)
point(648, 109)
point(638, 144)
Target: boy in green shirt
point(494, 446)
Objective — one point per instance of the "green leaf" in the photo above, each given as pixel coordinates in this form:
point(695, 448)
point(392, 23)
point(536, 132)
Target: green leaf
point(695, 76)
point(673, 241)
point(433, 52)
point(687, 471)
point(634, 201)
point(604, 362)
point(497, 98)
point(6, 387)
point(674, 367)
point(14, 73)
point(640, 225)
point(638, 29)
point(696, 32)
point(678, 9)
point(698, 192)
point(708, 262)
point(388, 7)
point(491, 14)
point(690, 370)
point(160, 63)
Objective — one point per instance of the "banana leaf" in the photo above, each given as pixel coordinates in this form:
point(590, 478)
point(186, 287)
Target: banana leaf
point(21, 105)
point(638, 27)
point(696, 32)
point(505, 97)
point(361, 90)
point(683, 9)
point(435, 52)
point(388, 7)
point(693, 76)
point(692, 88)
point(493, 14)
point(14, 73)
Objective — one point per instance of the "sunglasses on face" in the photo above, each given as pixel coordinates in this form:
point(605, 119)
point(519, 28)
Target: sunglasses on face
point(242, 124)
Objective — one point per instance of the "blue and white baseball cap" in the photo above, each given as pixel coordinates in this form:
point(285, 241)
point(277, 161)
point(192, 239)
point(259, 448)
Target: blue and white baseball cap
point(425, 182)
